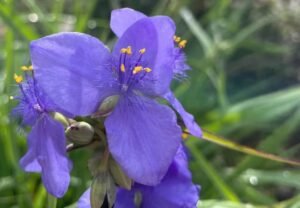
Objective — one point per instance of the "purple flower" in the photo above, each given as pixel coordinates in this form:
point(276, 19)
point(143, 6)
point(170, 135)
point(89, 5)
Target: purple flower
point(46, 141)
point(78, 73)
point(176, 190)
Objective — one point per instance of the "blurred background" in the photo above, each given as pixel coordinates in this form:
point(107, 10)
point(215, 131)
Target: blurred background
point(244, 86)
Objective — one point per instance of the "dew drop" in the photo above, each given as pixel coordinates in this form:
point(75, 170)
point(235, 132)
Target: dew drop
point(253, 180)
point(33, 17)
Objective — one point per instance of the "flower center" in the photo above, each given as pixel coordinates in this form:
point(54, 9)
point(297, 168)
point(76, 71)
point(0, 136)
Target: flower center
point(28, 89)
point(131, 67)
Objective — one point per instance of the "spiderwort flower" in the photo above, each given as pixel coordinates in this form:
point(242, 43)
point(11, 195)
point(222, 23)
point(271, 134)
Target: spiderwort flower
point(46, 141)
point(176, 190)
point(78, 73)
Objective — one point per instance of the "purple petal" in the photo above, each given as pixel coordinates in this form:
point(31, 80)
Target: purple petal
point(122, 19)
point(143, 137)
point(125, 199)
point(29, 161)
point(156, 36)
point(48, 148)
point(74, 70)
point(84, 201)
point(188, 119)
point(176, 190)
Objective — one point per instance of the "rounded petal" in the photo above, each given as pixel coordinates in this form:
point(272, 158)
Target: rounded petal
point(84, 201)
point(188, 118)
point(125, 199)
point(74, 70)
point(156, 36)
point(176, 190)
point(51, 155)
point(122, 19)
point(143, 137)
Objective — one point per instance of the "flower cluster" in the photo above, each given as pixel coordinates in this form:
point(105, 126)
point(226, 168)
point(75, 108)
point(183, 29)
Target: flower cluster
point(76, 75)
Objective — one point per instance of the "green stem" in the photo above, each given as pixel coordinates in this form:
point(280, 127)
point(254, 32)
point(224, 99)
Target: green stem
point(52, 201)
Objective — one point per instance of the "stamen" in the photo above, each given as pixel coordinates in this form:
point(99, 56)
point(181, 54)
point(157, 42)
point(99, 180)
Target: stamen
point(129, 51)
point(182, 44)
point(18, 78)
point(25, 68)
point(123, 50)
point(137, 69)
point(176, 39)
point(147, 69)
point(184, 135)
point(122, 68)
point(142, 51)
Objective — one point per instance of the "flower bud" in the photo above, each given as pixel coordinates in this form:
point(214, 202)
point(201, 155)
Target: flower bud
point(80, 133)
point(60, 118)
point(118, 174)
point(98, 189)
point(107, 106)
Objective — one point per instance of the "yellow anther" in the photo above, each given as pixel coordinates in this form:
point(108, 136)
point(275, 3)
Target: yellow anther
point(123, 50)
point(176, 39)
point(142, 51)
point(11, 97)
point(182, 43)
point(147, 69)
point(18, 78)
point(129, 51)
point(137, 69)
point(26, 68)
point(184, 135)
point(122, 68)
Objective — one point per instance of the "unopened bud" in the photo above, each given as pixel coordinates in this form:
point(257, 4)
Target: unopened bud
point(98, 189)
point(80, 133)
point(60, 118)
point(107, 106)
point(110, 191)
point(118, 174)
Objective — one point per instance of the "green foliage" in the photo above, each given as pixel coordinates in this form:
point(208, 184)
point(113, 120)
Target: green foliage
point(244, 86)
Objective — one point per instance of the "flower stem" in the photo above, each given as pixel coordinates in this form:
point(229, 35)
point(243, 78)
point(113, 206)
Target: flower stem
point(52, 201)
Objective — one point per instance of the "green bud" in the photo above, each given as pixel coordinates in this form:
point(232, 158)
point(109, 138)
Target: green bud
point(110, 191)
point(98, 189)
point(118, 174)
point(107, 106)
point(80, 133)
point(60, 118)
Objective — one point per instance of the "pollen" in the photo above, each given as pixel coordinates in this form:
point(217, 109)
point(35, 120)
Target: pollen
point(129, 51)
point(26, 68)
point(123, 50)
point(184, 135)
point(142, 51)
point(137, 69)
point(147, 69)
point(18, 78)
point(122, 68)
point(176, 39)
point(182, 44)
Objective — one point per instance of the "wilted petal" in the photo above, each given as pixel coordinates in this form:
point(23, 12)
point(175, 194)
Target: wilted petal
point(74, 70)
point(122, 19)
point(143, 138)
point(51, 155)
point(156, 36)
point(188, 119)
point(85, 201)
